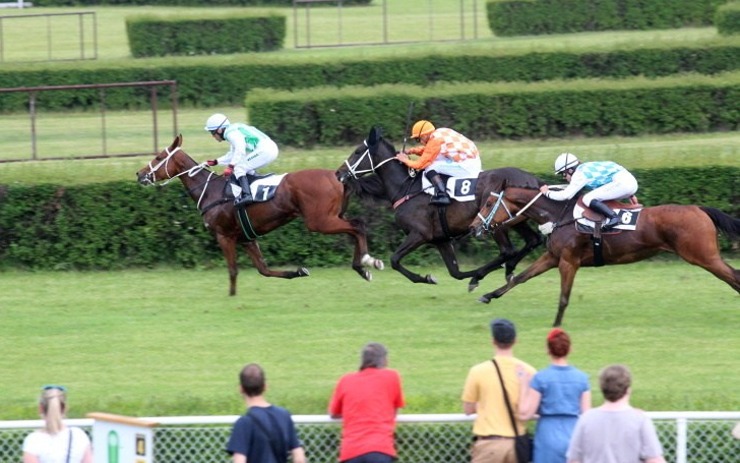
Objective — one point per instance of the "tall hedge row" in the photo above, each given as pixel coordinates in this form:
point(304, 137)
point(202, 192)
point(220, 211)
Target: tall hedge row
point(532, 17)
point(727, 19)
point(164, 36)
point(210, 81)
point(122, 224)
point(593, 108)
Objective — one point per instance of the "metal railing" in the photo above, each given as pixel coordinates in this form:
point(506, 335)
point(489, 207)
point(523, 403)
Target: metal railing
point(687, 437)
point(33, 114)
point(33, 24)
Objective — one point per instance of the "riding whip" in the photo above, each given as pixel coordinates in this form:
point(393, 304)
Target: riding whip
point(408, 123)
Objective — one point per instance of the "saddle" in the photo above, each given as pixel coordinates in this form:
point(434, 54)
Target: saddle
point(613, 204)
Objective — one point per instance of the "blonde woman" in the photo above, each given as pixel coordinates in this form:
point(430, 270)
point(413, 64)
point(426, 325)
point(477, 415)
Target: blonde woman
point(56, 443)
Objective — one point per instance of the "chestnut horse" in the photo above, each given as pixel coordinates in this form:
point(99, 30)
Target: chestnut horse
point(315, 195)
point(686, 230)
point(422, 222)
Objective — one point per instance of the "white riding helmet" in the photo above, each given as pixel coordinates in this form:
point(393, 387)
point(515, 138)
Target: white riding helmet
point(565, 161)
point(216, 121)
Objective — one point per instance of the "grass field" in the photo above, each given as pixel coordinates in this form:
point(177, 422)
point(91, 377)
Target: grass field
point(170, 342)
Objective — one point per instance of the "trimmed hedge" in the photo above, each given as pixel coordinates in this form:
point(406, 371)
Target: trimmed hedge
point(122, 224)
point(214, 81)
point(162, 36)
point(533, 17)
point(592, 108)
point(728, 19)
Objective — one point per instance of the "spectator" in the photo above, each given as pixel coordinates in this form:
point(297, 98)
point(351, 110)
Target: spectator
point(615, 431)
point(266, 433)
point(558, 394)
point(367, 402)
point(56, 442)
point(443, 151)
point(482, 394)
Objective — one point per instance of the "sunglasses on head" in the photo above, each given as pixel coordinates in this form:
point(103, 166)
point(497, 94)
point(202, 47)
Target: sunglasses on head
point(49, 387)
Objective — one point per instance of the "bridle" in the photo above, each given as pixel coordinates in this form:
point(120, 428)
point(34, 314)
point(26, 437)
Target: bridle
point(353, 168)
point(151, 176)
point(487, 220)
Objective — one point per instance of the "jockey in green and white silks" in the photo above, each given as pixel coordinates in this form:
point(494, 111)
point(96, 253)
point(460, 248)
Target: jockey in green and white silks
point(606, 179)
point(250, 149)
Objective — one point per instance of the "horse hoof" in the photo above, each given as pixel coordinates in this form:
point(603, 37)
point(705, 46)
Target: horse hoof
point(472, 287)
point(431, 280)
point(367, 276)
point(484, 299)
point(378, 264)
point(303, 272)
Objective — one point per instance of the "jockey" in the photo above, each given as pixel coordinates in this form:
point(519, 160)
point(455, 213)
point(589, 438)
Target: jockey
point(444, 151)
point(250, 150)
point(607, 180)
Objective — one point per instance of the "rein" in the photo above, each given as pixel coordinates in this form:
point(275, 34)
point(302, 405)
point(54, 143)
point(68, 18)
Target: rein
point(192, 172)
point(486, 220)
point(352, 168)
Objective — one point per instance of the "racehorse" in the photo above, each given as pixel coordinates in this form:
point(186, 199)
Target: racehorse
point(687, 230)
point(424, 223)
point(314, 194)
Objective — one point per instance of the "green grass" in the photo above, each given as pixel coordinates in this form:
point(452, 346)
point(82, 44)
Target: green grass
point(170, 342)
point(410, 20)
point(130, 132)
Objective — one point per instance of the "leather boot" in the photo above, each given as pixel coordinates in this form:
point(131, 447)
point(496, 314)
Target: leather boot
point(611, 217)
point(246, 196)
point(440, 198)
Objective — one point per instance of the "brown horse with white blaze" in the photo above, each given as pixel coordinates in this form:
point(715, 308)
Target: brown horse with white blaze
point(315, 195)
point(689, 231)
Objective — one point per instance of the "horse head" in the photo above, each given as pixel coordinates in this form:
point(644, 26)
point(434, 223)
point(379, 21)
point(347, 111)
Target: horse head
point(166, 165)
point(371, 154)
point(513, 202)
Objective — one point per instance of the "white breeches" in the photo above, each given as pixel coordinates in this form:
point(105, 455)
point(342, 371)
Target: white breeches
point(623, 185)
point(265, 153)
point(467, 168)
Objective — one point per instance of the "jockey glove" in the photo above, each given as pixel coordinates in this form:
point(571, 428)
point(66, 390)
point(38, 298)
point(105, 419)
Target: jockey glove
point(228, 171)
point(211, 162)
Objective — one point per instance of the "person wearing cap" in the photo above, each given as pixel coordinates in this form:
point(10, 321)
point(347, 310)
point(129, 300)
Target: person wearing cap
point(482, 395)
point(443, 151)
point(250, 149)
point(606, 179)
point(558, 394)
point(56, 441)
point(615, 431)
point(367, 401)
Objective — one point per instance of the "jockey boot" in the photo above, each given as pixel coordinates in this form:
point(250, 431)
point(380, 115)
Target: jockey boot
point(440, 198)
point(611, 217)
point(246, 196)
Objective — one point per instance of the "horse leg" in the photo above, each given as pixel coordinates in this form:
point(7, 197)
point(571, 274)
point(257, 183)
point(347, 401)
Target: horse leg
point(412, 241)
point(356, 229)
point(707, 256)
point(532, 240)
point(255, 254)
point(228, 247)
point(568, 269)
point(507, 251)
point(544, 263)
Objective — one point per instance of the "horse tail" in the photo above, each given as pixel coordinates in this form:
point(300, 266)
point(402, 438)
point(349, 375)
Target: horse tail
point(724, 222)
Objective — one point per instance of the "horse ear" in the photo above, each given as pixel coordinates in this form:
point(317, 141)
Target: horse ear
point(375, 134)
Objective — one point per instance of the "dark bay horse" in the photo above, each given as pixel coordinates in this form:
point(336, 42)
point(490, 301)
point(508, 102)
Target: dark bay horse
point(315, 195)
point(688, 231)
point(419, 220)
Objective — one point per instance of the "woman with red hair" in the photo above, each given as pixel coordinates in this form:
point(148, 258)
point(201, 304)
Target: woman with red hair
point(559, 394)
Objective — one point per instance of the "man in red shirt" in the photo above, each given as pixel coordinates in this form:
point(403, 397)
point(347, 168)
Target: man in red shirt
point(367, 402)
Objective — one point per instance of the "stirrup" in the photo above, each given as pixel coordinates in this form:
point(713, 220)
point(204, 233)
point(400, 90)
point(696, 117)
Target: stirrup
point(610, 223)
point(440, 200)
point(244, 200)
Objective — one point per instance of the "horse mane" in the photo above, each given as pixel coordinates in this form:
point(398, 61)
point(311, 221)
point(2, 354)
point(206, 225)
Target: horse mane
point(368, 188)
